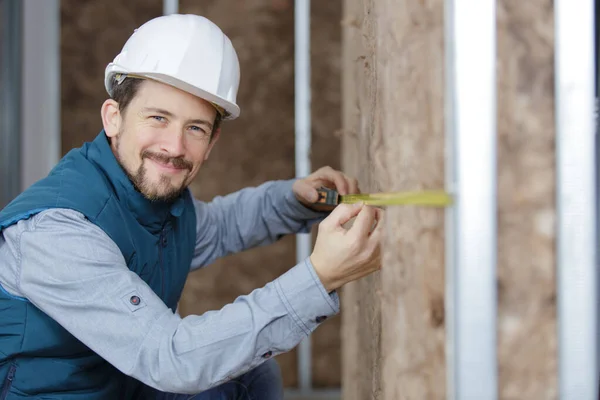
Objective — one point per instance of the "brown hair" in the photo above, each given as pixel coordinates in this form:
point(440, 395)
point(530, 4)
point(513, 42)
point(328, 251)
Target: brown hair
point(125, 91)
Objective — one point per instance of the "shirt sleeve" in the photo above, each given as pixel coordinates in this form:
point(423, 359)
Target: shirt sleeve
point(251, 217)
point(72, 271)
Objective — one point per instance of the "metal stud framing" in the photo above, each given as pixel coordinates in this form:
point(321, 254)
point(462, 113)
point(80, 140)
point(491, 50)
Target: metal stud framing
point(10, 100)
point(471, 176)
point(40, 113)
point(302, 149)
point(576, 200)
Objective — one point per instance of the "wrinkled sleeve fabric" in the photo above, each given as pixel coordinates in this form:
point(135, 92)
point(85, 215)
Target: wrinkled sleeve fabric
point(248, 218)
point(72, 271)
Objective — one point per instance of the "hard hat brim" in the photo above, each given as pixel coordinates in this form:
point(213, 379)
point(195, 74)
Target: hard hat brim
point(232, 111)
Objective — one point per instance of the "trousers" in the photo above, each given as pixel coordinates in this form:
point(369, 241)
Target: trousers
point(261, 383)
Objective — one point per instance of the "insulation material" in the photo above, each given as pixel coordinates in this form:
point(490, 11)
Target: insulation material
point(361, 315)
point(92, 34)
point(526, 204)
point(411, 106)
point(259, 146)
point(393, 90)
point(393, 125)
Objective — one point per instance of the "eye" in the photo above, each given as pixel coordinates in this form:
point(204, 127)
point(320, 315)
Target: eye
point(158, 118)
point(196, 130)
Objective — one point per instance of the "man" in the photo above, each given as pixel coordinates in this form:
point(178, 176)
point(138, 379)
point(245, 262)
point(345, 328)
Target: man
point(93, 258)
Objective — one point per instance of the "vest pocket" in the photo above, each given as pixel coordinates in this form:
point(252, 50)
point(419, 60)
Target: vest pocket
point(8, 381)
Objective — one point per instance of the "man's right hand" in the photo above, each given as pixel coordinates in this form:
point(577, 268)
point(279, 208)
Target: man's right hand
point(343, 255)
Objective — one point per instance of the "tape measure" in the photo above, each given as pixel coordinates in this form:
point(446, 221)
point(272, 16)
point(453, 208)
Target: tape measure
point(423, 198)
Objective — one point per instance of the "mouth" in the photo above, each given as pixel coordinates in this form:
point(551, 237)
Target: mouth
point(167, 167)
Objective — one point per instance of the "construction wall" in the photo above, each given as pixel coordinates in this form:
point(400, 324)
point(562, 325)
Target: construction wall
point(259, 146)
point(526, 207)
point(394, 322)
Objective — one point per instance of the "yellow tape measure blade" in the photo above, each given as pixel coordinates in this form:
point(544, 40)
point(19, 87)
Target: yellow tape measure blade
point(426, 198)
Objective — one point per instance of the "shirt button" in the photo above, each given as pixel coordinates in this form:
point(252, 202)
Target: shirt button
point(267, 354)
point(135, 300)
point(321, 319)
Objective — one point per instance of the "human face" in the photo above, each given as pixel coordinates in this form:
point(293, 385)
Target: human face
point(162, 139)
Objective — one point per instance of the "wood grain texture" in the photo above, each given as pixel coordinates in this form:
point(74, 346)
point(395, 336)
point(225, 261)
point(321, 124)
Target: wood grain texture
point(526, 207)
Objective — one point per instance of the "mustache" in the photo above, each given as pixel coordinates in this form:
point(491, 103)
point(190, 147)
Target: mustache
point(177, 162)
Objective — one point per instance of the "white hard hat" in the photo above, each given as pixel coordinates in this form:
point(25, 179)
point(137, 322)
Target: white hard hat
point(188, 52)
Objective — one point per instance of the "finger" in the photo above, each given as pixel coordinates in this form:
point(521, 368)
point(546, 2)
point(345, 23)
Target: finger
point(379, 213)
point(335, 177)
point(378, 219)
point(373, 245)
point(351, 183)
point(342, 214)
point(306, 191)
point(364, 222)
point(377, 233)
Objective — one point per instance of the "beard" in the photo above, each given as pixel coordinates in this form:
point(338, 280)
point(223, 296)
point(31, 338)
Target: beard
point(163, 190)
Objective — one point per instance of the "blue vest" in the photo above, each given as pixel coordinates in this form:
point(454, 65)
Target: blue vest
point(37, 356)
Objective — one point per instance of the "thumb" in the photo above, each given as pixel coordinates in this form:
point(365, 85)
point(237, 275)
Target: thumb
point(344, 213)
point(305, 191)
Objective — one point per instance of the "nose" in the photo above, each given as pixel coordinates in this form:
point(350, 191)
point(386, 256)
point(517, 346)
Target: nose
point(173, 142)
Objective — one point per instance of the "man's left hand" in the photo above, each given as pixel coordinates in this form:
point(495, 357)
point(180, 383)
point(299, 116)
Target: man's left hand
point(305, 189)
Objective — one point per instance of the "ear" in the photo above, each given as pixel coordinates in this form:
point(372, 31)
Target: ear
point(213, 141)
point(111, 117)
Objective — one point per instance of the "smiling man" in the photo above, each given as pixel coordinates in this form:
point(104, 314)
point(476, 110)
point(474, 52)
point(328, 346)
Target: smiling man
point(94, 257)
point(160, 165)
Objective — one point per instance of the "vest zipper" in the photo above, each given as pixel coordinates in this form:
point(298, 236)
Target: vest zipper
point(8, 381)
point(162, 242)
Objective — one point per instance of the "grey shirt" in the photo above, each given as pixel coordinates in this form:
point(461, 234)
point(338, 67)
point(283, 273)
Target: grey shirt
point(71, 270)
